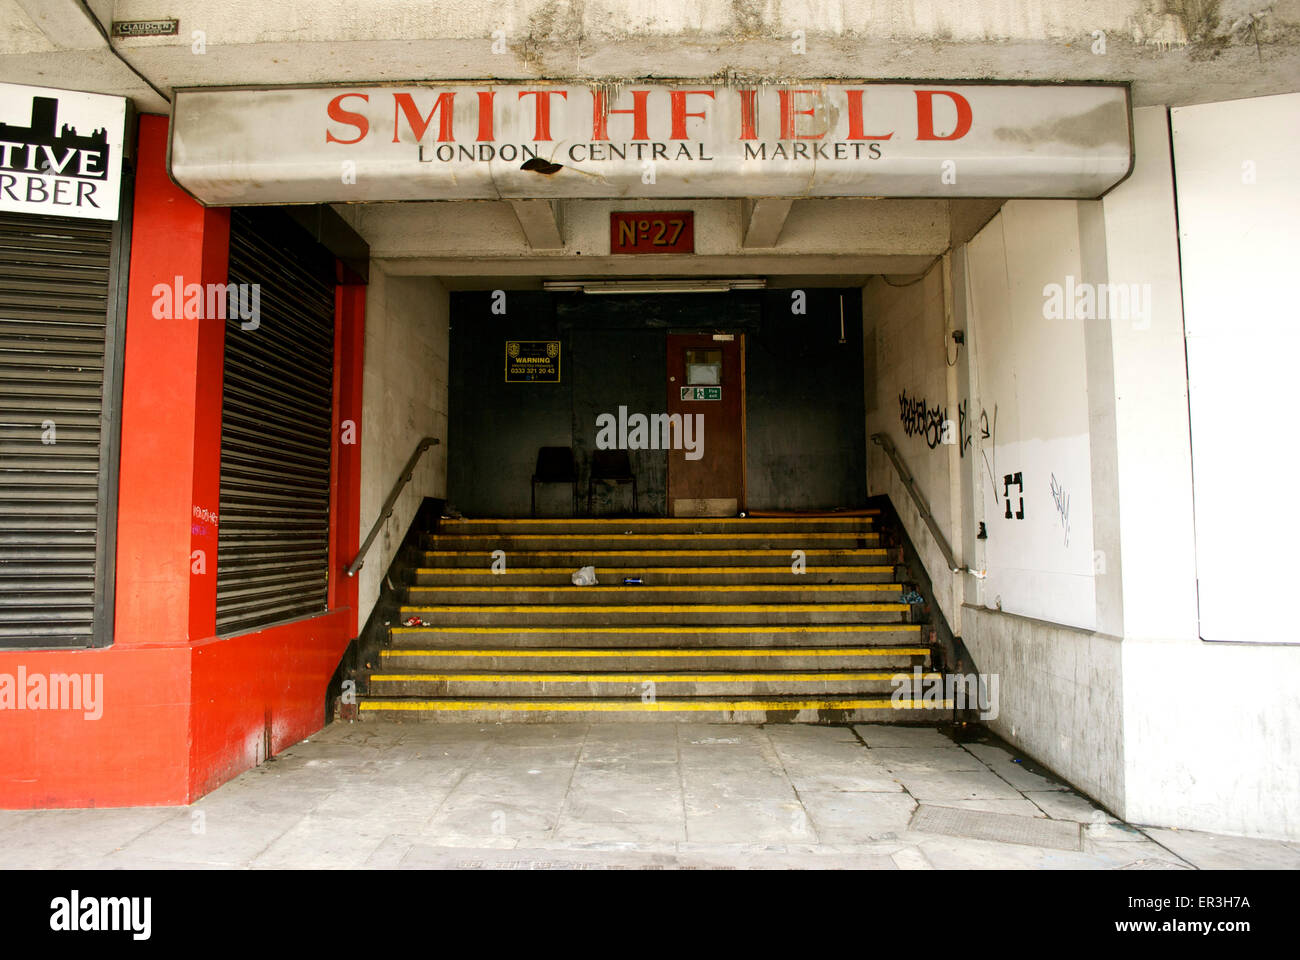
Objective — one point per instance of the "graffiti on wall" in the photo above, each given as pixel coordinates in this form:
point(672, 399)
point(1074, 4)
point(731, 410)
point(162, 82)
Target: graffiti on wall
point(1062, 501)
point(1017, 481)
point(921, 419)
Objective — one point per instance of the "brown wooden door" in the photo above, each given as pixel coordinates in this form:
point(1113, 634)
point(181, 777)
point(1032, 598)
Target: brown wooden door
point(706, 383)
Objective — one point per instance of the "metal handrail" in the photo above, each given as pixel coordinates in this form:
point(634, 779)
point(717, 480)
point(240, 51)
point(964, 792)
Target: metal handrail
point(909, 484)
point(386, 510)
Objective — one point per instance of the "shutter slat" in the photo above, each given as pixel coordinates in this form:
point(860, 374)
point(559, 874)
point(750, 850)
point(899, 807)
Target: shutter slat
point(276, 432)
point(54, 290)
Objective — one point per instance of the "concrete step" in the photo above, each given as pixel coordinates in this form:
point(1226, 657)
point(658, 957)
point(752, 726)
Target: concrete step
point(653, 614)
point(656, 576)
point(867, 708)
point(671, 636)
point(614, 594)
point(705, 658)
point(572, 559)
point(640, 683)
point(681, 540)
point(605, 525)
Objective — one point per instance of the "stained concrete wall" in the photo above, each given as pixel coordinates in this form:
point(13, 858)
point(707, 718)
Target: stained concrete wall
point(1212, 730)
point(405, 399)
point(1177, 51)
point(906, 332)
point(1158, 725)
point(1060, 687)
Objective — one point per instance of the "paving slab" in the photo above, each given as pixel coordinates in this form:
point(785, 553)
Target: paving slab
point(653, 794)
point(375, 800)
point(1000, 827)
point(53, 839)
point(526, 756)
point(811, 732)
point(539, 734)
point(839, 817)
point(722, 733)
point(757, 819)
point(925, 760)
point(391, 851)
point(1210, 851)
point(1012, 768)
point(911, 858)
point(615, 796)
point(1133, 855)
point(218, 835)
point(1113, 832)
point(1068, 805)
point(574, 831)
point(820, 751)
point(1018, 805)
point(960, 853)
point(483, 819)
point(656, 742)
point(514, 782)
point(958, 785)
point(329, 843)
point(895, 735)
point(858, 777)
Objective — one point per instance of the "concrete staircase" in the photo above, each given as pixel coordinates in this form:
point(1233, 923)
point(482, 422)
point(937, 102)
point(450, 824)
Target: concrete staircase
point(720, 628)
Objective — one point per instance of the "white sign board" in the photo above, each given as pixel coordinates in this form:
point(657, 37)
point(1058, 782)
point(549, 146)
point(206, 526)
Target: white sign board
point(1238, 206)
point(60, 152)
point(489, 141)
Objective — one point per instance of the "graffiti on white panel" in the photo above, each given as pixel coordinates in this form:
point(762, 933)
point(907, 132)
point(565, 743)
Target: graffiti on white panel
point(1014, 480)
point(1062, 501)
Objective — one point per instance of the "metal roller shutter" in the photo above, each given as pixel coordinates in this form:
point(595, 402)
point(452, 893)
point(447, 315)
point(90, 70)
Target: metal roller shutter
point(55, 284)
point(276, 429)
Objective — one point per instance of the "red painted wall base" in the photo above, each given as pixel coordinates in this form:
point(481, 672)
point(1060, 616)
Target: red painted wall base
point(181, 710)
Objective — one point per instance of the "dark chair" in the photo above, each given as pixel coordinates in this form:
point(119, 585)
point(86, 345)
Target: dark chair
point(611, 466)
point(555, 465)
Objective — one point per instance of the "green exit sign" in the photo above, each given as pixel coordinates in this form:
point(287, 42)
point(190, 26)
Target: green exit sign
point(701, 393)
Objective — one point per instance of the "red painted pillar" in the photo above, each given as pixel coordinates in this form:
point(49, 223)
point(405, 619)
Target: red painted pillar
point(345, 500)
point(171, 410)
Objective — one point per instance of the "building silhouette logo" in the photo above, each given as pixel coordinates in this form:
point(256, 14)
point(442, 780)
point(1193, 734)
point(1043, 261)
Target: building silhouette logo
point(38, 149)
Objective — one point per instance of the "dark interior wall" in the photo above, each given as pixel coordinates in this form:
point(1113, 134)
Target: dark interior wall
point(494, 428)
point(805, 428)
point(804, 393)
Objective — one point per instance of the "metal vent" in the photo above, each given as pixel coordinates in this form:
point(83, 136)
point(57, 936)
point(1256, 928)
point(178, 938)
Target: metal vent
point(276, 429)
point(54, 292)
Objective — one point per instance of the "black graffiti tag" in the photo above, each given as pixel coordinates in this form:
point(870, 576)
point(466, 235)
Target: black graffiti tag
point(1007, 482)
point(921, 420)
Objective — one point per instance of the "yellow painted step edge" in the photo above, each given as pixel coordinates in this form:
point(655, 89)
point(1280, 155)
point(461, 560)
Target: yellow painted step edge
point(864, 607)
point(639, 677)
point(659, 587)
point(865, 514)
point(658, 706)
point(616, 572)
point(671, 652)
point(679, 628)
point(740, 552)
point(861, 534)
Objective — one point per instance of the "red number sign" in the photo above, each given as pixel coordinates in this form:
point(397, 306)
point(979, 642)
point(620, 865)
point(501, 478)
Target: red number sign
point(652, 232)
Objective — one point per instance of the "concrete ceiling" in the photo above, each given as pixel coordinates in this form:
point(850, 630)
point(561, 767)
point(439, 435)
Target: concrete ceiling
point(1173, 51)
point(483, 244)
